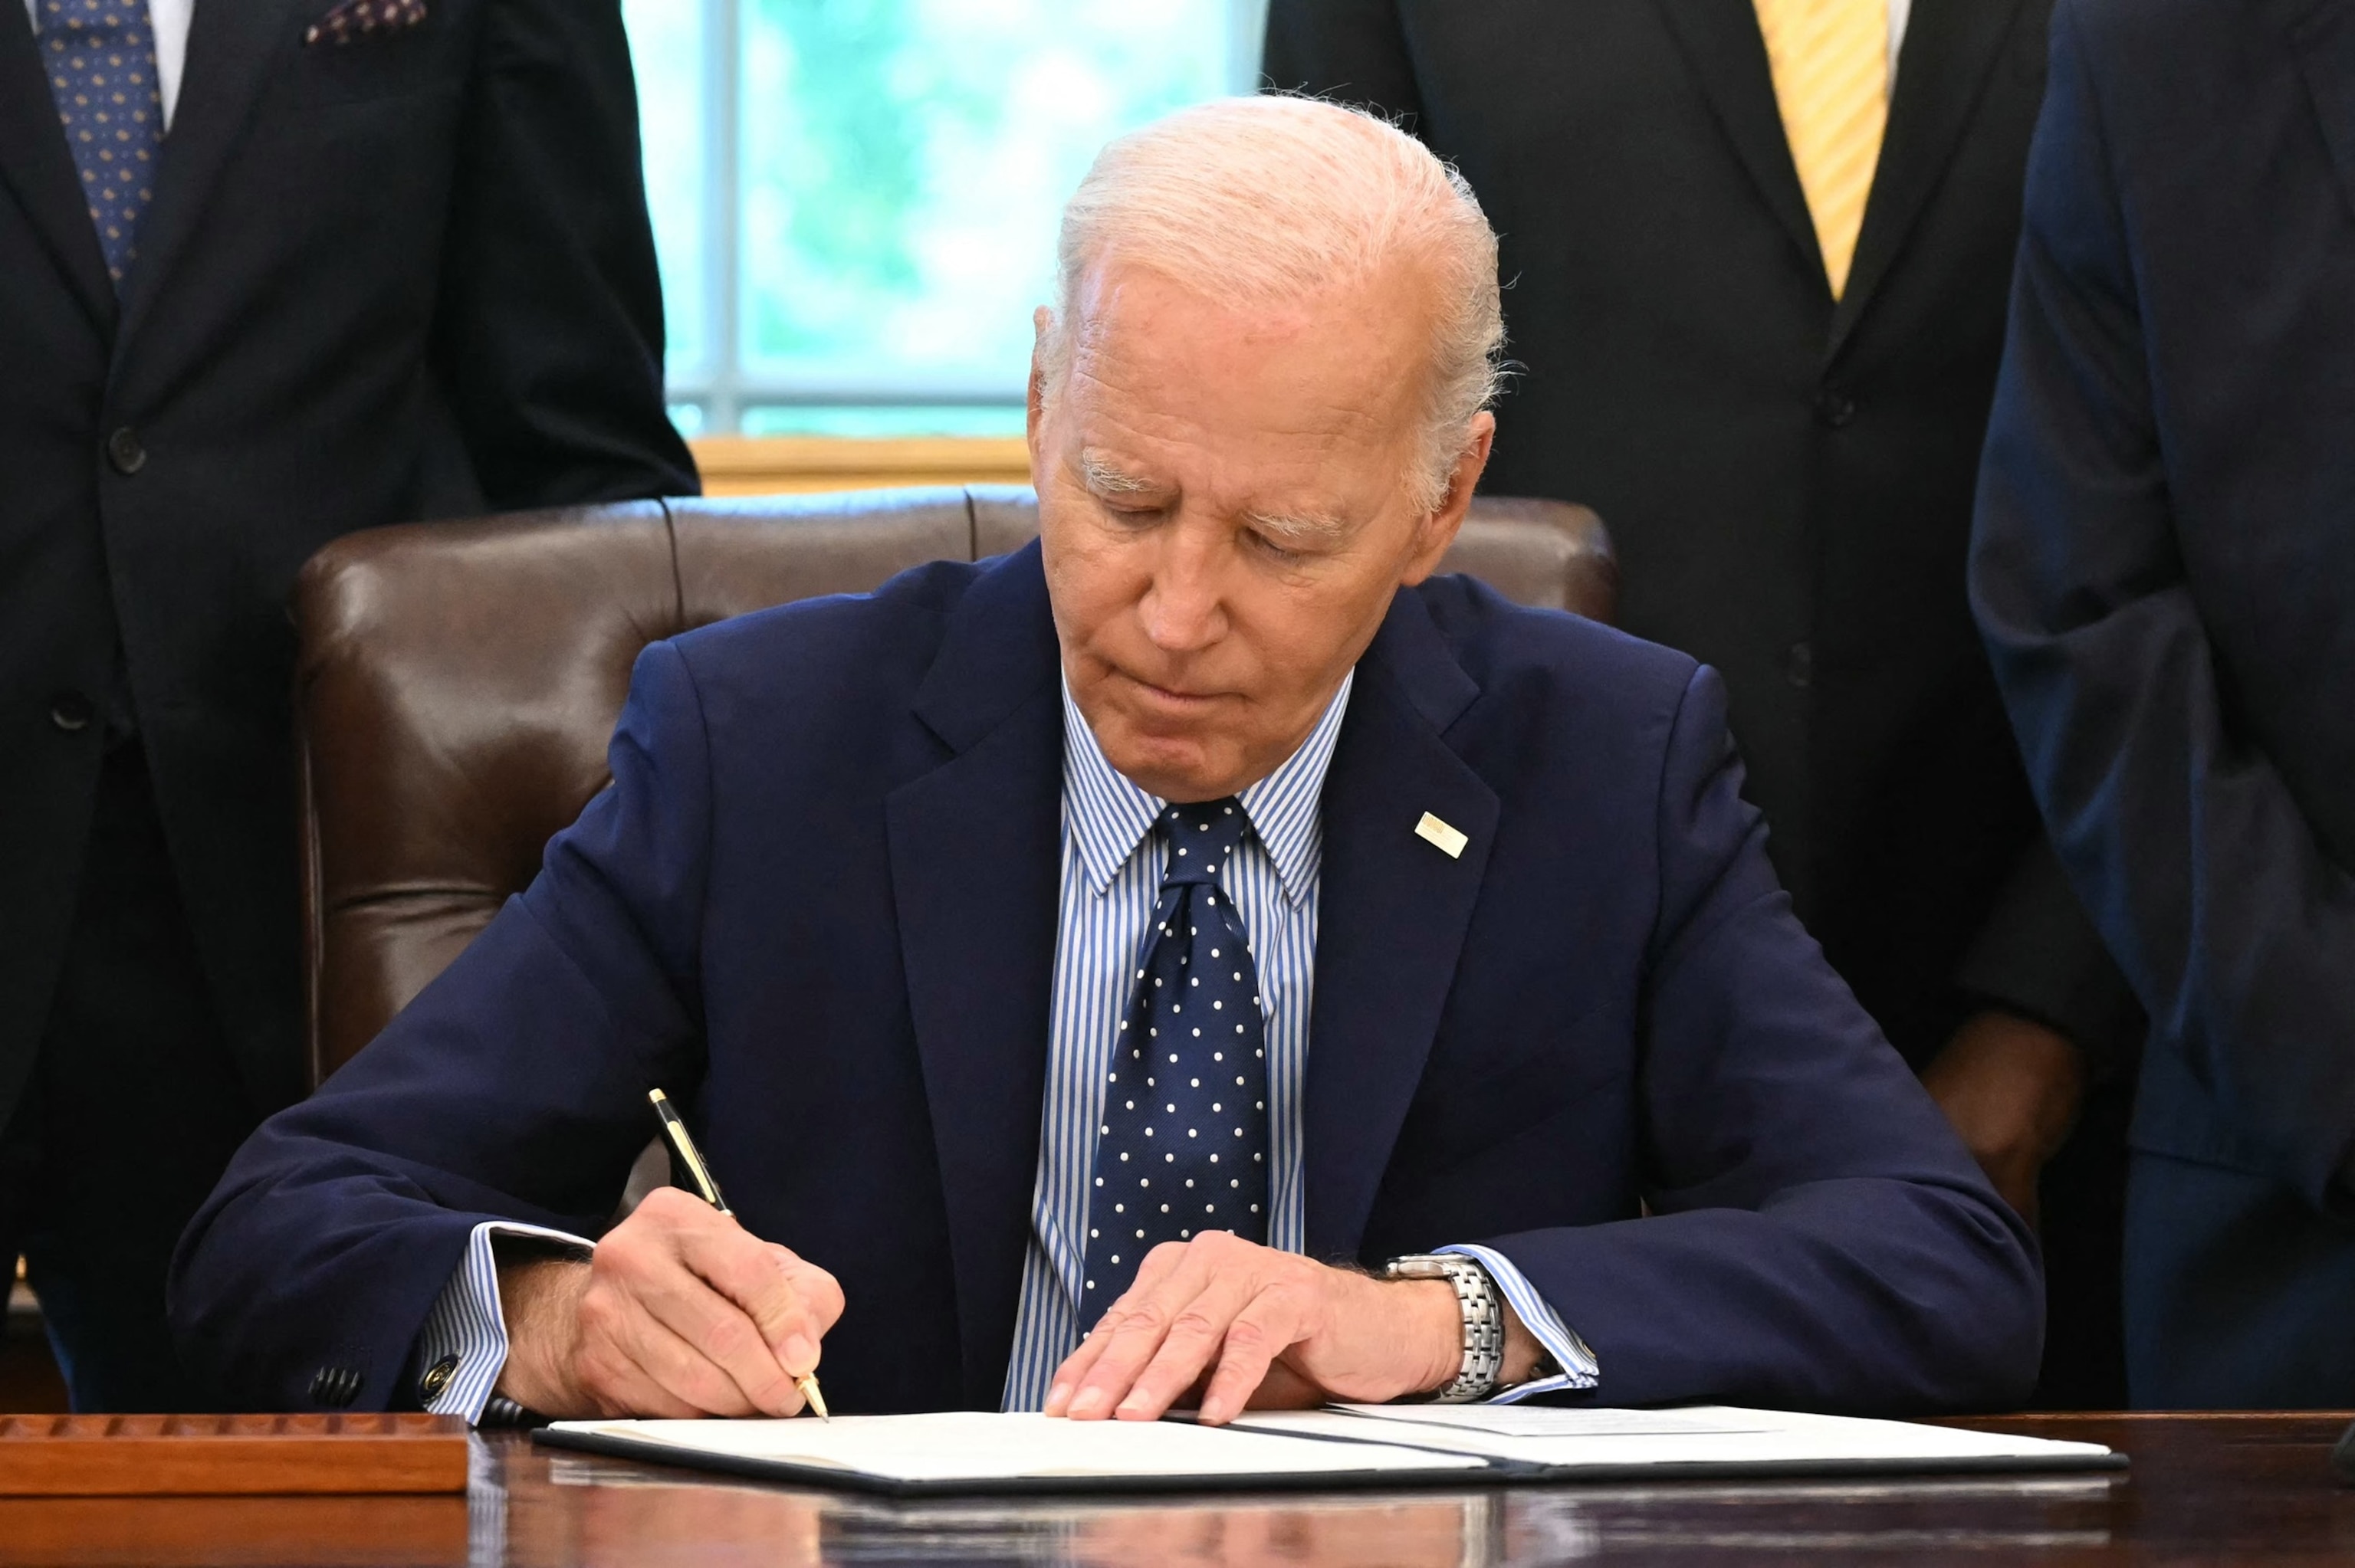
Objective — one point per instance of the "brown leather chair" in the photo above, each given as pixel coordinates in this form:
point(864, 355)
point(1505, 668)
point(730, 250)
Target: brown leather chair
point(458, 682)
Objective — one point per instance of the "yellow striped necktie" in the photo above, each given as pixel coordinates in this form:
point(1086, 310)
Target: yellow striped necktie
point(1830, 60)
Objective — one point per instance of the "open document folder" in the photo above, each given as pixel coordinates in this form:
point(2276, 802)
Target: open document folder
point(1399, 1446)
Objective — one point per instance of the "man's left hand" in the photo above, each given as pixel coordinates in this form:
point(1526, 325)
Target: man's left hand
point(1267, 1327)
point(2011, 1087)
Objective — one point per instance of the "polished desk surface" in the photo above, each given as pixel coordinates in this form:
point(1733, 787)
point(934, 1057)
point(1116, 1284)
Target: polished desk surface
point(2208, 1489)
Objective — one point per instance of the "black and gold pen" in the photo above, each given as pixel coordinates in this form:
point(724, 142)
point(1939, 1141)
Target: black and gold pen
point(700, 1174)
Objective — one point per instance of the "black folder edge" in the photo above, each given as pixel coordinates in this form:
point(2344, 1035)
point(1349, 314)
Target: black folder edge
point(1491, 1470)
point(648, 1451)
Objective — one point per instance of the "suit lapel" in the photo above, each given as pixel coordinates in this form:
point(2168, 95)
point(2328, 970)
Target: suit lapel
point(975, 848)
point(233, 44)
point(1391, 914)
point(2325, 44)
point(1721, 41)
point(35, 166)
point(1950, 47)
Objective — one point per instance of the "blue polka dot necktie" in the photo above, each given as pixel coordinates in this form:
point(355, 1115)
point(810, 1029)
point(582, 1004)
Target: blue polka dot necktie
point(100, 59)
point(1182, 1148)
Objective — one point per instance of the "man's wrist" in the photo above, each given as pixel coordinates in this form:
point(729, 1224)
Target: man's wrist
point(1479, 1321)
point(540, 1297)
point(1438, 1328)
point(1526, 1357)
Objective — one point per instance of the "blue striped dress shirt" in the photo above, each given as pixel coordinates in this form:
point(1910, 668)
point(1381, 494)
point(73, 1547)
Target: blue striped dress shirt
point(1111, 875)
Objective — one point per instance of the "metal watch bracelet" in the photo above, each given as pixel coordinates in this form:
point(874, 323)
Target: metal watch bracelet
point(1484, 1322)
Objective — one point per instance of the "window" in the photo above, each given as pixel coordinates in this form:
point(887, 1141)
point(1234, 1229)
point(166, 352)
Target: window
point(854, 200)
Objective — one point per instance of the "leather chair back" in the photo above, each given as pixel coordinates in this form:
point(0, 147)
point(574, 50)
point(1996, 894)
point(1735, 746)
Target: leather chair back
point(457, 684)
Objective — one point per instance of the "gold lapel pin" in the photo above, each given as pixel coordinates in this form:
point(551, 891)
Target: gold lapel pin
point(1449, 839)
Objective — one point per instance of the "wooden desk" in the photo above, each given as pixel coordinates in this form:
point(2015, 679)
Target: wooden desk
point(2203, 1488)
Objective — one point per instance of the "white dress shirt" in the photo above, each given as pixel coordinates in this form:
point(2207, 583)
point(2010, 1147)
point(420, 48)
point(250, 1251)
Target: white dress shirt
point(170, 18)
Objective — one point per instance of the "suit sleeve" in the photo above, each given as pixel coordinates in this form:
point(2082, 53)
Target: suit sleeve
point(2037, 955)
point(1817, 1237)
point(549, 334)
point(512, 1089)
point(1353, 51)
point(2233, 926)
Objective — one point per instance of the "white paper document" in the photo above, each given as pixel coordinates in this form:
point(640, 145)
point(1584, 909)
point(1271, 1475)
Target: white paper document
point(1343, 1444)
point(1718, 1438)
point(971, 1447)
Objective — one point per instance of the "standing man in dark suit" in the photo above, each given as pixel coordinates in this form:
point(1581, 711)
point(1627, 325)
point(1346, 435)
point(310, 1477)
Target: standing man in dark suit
point(1758, 252)
point(269, 273)
point(2165, 568)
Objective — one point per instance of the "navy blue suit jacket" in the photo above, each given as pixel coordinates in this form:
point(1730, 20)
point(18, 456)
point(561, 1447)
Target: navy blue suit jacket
point(2163, 566)
point(818, 904)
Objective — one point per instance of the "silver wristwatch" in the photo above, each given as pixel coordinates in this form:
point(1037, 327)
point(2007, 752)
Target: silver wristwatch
point(1484, 1322)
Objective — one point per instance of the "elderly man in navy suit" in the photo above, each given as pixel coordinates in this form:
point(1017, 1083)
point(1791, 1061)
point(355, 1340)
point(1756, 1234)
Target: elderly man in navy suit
point(1199, 958)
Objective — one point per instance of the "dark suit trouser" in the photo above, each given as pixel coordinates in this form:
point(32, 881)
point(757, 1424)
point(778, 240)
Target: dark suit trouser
point(2239, 1295)
point(132, 1111)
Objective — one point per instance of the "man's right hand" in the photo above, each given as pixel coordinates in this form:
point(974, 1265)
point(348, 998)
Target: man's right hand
point(680, 1312)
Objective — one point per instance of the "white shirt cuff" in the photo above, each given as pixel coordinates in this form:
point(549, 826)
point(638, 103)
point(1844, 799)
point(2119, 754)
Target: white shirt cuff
point(1579, 1366)
point(468, 1326)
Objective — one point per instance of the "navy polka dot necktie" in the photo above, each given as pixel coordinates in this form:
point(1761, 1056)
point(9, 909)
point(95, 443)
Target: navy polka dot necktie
point(100, 59)
point(1182, 1148)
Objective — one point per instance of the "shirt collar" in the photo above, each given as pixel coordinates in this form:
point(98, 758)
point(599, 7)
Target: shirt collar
point(1110, 816)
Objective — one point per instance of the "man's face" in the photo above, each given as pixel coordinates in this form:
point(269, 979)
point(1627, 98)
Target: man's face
point(1226, 509)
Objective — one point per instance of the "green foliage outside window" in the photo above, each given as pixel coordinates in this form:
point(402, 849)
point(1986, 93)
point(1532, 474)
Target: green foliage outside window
point(899, 164)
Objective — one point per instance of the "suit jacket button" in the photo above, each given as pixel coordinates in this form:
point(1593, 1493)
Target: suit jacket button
point(337, 1386)
point(71, 712)
point(437, 1378)
point(1835, 408)
point(124, 451)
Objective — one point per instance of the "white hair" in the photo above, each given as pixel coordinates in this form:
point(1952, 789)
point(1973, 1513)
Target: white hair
point(1266, 200)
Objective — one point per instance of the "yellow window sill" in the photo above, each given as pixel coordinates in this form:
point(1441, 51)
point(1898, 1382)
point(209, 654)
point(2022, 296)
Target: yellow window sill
point(770, 465)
